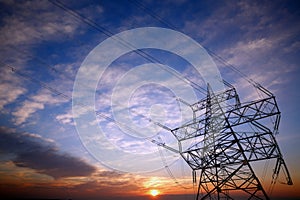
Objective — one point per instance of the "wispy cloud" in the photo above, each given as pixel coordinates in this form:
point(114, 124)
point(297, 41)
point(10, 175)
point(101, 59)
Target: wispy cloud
point(33, 104)
point(66, 118)
point(33, 22)
point(10, 88)
point(257, 38)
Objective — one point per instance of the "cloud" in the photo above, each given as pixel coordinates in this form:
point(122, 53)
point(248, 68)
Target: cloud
point(246, 21)
point(26, 110)
point(258, 38)
point(36, 156)
point(33, 151)
point(35, 103)
point(33, 22)
point(26, 24)
point(102, 183)
point(66, 118)
point(10, 88)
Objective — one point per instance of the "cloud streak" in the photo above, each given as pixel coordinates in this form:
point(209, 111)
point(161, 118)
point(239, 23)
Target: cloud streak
point(10, 88)
point(24, 27)
point(32, 151)
point(33, 104)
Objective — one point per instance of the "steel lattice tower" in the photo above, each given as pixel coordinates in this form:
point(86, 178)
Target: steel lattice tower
point(224, 137)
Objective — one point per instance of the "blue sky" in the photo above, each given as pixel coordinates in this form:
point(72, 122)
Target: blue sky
point(46, 46)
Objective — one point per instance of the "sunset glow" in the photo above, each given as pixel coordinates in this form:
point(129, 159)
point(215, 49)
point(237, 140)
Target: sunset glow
point(154, 192)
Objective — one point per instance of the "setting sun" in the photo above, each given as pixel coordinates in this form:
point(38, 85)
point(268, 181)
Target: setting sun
point(154, 192)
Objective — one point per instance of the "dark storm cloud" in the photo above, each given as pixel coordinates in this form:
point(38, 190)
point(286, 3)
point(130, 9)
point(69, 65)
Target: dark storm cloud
point(33, 151)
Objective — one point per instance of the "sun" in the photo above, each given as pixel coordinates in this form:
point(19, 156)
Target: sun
point(154, 193)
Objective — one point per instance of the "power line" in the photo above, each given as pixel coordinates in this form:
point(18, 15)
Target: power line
point(143, 7)
point(168, 168)
point(108, 33)
point(43, 62)
point(98, 113)
point(32, 79)
point(63, 95)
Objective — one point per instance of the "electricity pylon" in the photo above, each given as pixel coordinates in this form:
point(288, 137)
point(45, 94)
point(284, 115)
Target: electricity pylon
point(225, 137)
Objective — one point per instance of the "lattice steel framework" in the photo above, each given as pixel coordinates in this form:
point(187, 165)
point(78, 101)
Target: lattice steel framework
point(224, 137)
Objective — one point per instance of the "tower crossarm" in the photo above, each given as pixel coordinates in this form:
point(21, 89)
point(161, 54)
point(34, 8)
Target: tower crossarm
point(252, 111)
point(190, 130)
point(246, 113)
point(230, 93)
point(161, 144)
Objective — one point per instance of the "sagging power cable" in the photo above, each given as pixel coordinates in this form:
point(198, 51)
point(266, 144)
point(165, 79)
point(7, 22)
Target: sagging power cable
point(108, 33)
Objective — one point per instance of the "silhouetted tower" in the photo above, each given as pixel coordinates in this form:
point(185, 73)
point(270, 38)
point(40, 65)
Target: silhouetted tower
point(224, 137)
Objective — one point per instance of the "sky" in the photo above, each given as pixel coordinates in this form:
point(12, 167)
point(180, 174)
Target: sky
point(62, 64)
